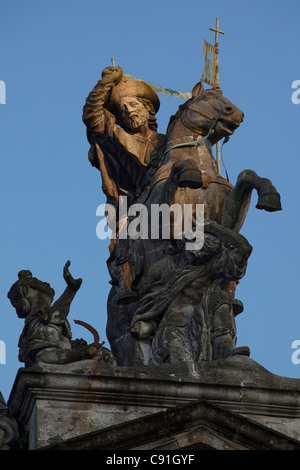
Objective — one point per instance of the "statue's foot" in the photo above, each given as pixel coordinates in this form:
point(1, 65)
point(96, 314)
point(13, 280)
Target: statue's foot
point(142, 329)
point(269, 202)
point(241, 351)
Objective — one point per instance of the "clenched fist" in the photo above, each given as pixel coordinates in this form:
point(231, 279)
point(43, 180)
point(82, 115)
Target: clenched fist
point(112, 75)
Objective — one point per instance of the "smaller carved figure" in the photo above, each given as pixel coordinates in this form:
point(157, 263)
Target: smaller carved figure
point(46, 336)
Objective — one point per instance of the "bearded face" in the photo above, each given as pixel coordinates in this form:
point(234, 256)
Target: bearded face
point(133, 114)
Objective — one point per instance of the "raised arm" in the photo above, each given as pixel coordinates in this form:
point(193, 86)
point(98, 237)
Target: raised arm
point(62, 305)
point(93, 111)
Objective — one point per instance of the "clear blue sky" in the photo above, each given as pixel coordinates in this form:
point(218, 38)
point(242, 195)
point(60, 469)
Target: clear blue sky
point(52, 54)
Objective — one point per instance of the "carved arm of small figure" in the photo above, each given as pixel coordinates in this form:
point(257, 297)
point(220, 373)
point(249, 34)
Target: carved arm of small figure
point(60, 311)
point(62, 305)
point(66, 356)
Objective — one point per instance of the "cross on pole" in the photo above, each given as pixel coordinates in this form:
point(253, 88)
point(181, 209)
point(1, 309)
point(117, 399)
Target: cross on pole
point(217, 31)
point(216, 82)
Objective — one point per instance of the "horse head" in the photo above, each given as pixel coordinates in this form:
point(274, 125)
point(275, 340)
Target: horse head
point(208, 111)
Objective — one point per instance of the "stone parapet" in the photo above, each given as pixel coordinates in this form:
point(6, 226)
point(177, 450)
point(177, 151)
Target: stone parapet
point(54, 404)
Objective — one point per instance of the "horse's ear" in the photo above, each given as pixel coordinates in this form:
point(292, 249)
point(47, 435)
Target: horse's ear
point(197, 90)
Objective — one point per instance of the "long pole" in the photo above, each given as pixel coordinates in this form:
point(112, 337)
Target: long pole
point(216, 82)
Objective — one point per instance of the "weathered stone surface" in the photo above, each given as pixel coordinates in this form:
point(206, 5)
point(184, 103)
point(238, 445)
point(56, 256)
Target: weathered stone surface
point(174, 363)
point(199, 426)
point(57, 403)
point(170, 302)
point(9, 432)
point(47, 336)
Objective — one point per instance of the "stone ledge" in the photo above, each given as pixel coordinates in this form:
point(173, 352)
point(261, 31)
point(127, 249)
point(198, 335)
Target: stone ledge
point(91, 395)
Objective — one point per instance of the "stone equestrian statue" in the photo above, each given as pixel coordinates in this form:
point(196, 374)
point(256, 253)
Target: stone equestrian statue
point(168, 303)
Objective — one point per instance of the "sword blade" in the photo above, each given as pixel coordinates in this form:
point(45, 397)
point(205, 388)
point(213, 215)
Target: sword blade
point(90, 328)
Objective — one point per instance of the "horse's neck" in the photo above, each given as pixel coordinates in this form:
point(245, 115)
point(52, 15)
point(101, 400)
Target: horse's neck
point(201, 153)
point(207, 161)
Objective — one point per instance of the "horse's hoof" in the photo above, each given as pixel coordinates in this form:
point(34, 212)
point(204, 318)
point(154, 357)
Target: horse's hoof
point(269, 202)
point(190, 178)
point(237, 306)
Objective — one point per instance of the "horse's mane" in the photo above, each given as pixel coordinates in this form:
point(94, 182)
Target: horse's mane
point(183, 106)
point(177, 115)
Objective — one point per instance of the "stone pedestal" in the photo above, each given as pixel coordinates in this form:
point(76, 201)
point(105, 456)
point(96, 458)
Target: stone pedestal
point(64, 406)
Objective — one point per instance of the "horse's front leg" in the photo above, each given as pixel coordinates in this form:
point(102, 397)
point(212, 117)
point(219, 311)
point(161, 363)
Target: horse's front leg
point(183, 174)
point(237, 202)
